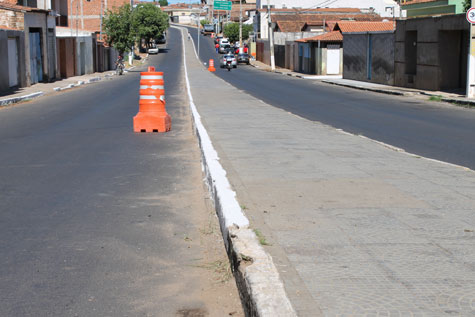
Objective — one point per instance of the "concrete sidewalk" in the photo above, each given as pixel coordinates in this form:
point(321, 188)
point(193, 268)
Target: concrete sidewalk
point(378, 88)
point(41, 89)
point(354, 227)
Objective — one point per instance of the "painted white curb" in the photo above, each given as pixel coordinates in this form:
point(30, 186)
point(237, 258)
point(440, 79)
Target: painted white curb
point(258, 280)
point(8, 101)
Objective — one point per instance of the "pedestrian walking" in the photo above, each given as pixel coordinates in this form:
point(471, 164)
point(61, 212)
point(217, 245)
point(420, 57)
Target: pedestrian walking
point(217, 48)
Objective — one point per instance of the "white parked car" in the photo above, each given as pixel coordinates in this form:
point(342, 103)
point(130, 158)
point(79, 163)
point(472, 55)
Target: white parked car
point(153, 50)
point(223, 41)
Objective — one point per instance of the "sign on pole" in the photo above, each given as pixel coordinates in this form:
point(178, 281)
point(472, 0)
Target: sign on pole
point(470, 92)
point(470, 15)
point(222, 5)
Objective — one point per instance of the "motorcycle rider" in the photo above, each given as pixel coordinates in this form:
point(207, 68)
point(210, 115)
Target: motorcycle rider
point(119, 64)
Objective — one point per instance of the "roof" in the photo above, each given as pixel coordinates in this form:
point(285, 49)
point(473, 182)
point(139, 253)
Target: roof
point(409, 2)
point(15, 7)
point(294, 10)
point(290, 26)
point(330, 25)
point(333, 36)
point(296, 22)
point(363, 26)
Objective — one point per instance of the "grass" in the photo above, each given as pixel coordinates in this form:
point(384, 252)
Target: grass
point(260, 236)
point(220, 267)
point(435, 98)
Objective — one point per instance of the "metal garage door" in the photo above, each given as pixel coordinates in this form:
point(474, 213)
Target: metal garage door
point(333, 59)
point(12, 62)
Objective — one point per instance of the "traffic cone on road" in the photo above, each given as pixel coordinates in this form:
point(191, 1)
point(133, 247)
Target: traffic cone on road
point(211, 66)
point(152, 115)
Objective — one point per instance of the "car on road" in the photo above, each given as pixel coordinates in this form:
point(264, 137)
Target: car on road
point(224, 41)
point(243, 58)
point(207, 29)
point(222, 61)
point(224, 48)
point(161, 39)
point(217, 39)
point(153, 49)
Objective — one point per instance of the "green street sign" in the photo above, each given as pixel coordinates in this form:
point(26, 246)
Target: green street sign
point(222, 5)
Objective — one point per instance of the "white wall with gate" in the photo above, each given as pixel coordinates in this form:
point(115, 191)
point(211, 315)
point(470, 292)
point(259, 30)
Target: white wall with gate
point(333, 59)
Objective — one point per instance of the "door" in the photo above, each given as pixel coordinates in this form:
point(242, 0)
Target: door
point(12, 62)
point(82, 58)
point(51, 55)
point(36, 64)
point(333, 59)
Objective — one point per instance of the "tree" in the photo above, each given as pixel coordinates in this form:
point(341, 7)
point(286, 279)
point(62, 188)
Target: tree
point(231, 31)
point(467, 4)
point(118, 29)
point(163, 3)
point(203, 22)
point(149, 22)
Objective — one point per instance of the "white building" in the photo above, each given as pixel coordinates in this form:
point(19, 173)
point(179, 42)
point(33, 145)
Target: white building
point(385, 8)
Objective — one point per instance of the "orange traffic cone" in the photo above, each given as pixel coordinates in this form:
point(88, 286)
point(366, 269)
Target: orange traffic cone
point(152, 115)
point(211, 66)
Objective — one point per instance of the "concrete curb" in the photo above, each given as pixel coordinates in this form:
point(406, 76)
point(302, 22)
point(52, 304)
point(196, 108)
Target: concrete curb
point(261, 289)
point(8, 101)
point(382, 91)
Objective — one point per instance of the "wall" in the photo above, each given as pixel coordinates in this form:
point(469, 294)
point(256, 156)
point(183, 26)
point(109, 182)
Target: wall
point(12, 19)
point(382, 7)
point(263, 51)
point(281, 37)
point(88, 13)
point(4, 74)
point(429, 74)
point(88, 67)
point(40, 21)
point(381, 57)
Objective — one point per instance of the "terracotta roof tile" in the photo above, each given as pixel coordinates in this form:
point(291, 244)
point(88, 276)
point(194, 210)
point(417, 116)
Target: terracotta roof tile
point(290, 26)
point(329, 25)
point(363, 26)
point(334, 36)
point(293, 10)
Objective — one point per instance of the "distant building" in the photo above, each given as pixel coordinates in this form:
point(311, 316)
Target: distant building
point(423, 8)
point(385, 8)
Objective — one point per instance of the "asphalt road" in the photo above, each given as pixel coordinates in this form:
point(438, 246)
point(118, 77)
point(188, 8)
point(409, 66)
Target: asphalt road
point(96, 220)
point(435, 130)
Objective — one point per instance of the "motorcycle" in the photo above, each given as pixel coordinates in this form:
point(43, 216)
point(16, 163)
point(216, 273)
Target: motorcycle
point(119, 70)
point(229, 64)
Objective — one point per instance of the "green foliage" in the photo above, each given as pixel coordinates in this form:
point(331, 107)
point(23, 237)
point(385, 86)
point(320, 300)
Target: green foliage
point(118, 29)
point(231, 31)
point(203, 22)
point(435, 98)
point(148, 21)
point(467, 5)
point(163, 3)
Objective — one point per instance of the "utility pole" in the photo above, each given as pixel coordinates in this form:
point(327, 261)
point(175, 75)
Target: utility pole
point(271, 38)
point(198, 33)
point(470, 90)
point(240, 27)
point(131, 55)
point(100, 34)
